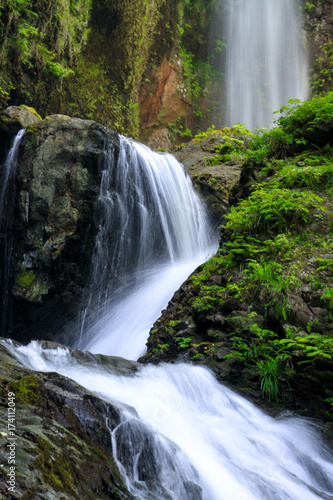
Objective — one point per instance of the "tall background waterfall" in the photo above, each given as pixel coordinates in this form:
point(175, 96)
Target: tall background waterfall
point(266, 63)
point(153, 232)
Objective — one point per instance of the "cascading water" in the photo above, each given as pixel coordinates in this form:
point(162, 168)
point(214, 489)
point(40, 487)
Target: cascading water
point(181, 435)
point(153, 232)
point(195, 439)
point(7, 174)
point(8, 170)
point(266, 64)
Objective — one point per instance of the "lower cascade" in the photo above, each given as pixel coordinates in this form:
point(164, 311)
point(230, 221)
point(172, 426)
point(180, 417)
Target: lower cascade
point(183, 436)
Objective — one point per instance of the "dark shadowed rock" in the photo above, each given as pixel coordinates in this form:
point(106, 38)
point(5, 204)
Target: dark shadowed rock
point(53, 226)
point(63, 445)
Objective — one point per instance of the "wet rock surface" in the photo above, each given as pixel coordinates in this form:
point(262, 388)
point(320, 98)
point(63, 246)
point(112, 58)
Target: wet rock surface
point(53, 224)
point(212, 174)
point(63, 445)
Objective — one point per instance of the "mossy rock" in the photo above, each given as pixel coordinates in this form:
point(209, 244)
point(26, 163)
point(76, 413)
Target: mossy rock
point(63, 444)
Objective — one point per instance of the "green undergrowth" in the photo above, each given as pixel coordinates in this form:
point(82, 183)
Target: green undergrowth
point(268, 240)
point(276, 249)
point(39, 45)
point(273, 357)
point(301, 126)
point(235, 129)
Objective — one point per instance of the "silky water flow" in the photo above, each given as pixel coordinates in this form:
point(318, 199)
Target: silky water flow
point(153, 232)
point(193, 438)
point(184, 436)
point(266, 63)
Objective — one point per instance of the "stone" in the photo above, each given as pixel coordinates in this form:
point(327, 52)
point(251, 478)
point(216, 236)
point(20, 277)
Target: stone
point(23, 114)
point(53, 225)
point(63, 447)
point(213, 182)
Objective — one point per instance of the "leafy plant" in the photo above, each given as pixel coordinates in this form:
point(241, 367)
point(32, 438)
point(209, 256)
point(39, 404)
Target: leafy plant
point(184, 342)
point(271, 210)
point(328, 296)
point(263, 352)
point(161, 348)
point(298, 118)
point(310, 346)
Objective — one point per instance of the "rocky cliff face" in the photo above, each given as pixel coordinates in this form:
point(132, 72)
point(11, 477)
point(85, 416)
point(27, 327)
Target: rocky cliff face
point(141, 68)
point(318, 25)
point(53, 223)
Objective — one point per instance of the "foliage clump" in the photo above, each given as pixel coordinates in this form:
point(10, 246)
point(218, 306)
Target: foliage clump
point(264, 303)
point(42, 44)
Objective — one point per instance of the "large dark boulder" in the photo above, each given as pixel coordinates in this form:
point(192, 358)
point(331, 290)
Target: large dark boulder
point(52, 224)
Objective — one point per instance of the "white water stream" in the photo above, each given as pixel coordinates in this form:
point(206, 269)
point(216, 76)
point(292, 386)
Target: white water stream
point(266, 61)
point(8, 169)
point(200, 435)
point(7, 174)
point(153, 232)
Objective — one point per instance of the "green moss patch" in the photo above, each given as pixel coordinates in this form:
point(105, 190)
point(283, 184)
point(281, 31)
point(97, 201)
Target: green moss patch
point(25, 279)
point(26, 389)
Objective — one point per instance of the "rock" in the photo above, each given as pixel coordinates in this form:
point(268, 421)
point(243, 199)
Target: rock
point(63, 446)
point(160, 140)
point(53, 226)
point(213, 178)
point(161, 101)
point(23, 114)
point(12, 120)
point(16, 117)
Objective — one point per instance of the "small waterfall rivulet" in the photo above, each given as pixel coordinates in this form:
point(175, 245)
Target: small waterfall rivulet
point(6, 176)
point(153, 232)
point(266, 63)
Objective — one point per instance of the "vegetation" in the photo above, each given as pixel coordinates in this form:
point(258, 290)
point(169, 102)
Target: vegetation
point(265, 300)
point(322, 81)
point(40, 44)
point(26, 390)
point(58, 59)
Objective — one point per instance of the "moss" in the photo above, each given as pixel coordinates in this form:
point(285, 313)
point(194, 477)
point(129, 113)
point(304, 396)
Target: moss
point(25, 279)
point(32, 111)
point(26, 389)
point(57, 470)
point(28, 286)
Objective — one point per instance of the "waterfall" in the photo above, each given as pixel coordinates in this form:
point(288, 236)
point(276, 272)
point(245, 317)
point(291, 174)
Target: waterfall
point(181, 434)
point(266, 63)
point(6, 208)
point(153, 232)
point(8, 170)
point(195, 439)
